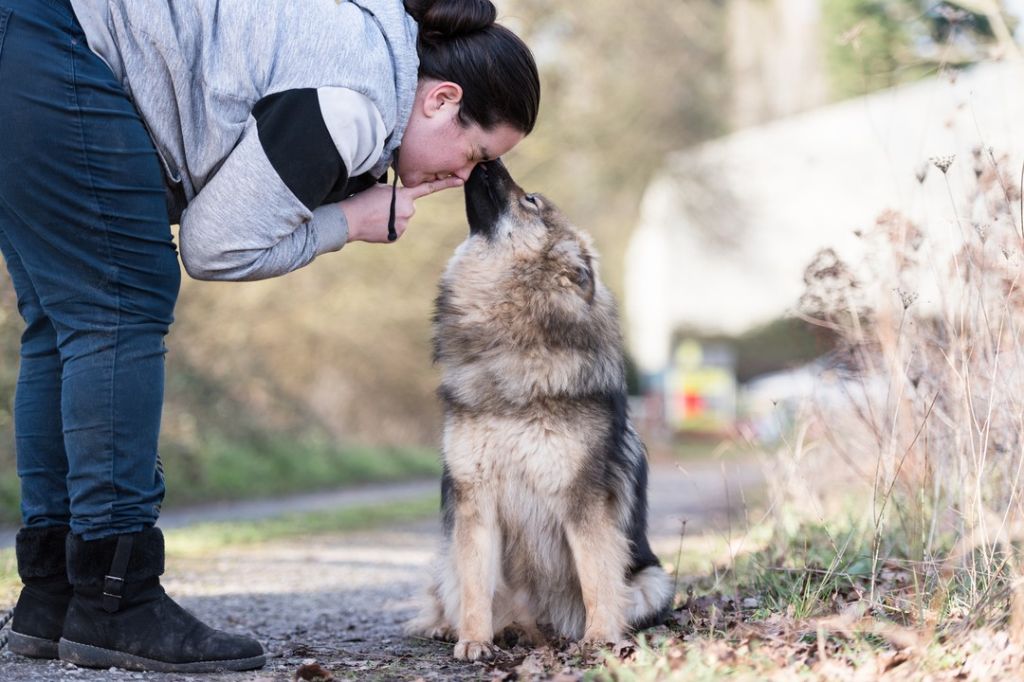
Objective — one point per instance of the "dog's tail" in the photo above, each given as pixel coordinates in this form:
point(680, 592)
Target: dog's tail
point(650, 597)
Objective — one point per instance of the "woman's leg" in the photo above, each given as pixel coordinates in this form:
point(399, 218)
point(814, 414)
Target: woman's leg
point(83, 194)
point(39, 437)
point(38, 617)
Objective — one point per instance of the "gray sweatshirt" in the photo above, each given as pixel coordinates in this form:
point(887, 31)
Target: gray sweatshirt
point(265, 114)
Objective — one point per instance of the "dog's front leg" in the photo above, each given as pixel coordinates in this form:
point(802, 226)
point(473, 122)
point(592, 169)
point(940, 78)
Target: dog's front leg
point(476, 543)
point(600, 554)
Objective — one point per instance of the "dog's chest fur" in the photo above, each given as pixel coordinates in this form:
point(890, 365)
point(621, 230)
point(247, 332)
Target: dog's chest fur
point(534, 450)
point(530, 465)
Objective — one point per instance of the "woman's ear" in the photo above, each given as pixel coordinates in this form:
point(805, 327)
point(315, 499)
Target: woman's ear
point(441, 97)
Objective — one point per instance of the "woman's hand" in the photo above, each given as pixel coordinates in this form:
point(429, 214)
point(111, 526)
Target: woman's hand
point(367, 212)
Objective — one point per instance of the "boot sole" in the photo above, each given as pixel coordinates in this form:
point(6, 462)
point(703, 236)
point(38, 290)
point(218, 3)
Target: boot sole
point(33, 647)
point(88, 656)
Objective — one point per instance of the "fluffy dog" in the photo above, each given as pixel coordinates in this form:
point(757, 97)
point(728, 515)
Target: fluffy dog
point(544, 491)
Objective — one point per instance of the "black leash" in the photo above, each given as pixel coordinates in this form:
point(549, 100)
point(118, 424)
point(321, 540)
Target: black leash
point(392, 233)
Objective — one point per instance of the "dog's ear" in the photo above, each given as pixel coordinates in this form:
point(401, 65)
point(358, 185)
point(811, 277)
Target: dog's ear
point(583, 277)
point(577, 268)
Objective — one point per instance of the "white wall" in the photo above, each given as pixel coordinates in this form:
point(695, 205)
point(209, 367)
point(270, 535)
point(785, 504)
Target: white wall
point(727, 229)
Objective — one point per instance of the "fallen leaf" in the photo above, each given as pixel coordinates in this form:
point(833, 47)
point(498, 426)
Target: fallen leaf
point(313, 672)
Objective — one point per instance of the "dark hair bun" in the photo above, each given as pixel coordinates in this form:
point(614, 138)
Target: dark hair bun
point(442, 20)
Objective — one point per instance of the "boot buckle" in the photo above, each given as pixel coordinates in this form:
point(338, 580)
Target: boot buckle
point(112, 588)
point(113, 582)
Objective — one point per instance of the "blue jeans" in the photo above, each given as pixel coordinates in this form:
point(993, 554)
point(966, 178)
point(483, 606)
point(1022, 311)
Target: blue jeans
point(85, 236)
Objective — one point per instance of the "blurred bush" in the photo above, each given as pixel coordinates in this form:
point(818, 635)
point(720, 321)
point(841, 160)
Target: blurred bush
point(10, 334)
point(325, 376)
point(873, 44)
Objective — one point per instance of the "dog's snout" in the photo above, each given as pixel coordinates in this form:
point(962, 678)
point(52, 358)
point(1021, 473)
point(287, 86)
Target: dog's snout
point(489, 190)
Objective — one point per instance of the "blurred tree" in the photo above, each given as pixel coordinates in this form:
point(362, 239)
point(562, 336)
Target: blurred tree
point(873, 44)
point(343, 346)
point(623, 86)
point(340, 350)
point(10, 328)
point(776, 60)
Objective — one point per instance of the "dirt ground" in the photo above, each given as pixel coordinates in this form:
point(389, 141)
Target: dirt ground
point(340, 600)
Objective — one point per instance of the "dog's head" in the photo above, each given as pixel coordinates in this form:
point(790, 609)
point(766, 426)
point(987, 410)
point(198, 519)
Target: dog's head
point(524, 282)
point(520, 243)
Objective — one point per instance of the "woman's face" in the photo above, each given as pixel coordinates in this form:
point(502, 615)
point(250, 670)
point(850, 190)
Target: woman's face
point(436, 145)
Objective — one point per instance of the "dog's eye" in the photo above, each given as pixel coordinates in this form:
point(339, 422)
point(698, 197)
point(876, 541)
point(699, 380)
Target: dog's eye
point(531, 201)
point(582, 277)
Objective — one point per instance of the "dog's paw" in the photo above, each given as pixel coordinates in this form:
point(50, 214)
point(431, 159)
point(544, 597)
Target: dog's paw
point(468, 650)
point(600, 638)
point(443, 633)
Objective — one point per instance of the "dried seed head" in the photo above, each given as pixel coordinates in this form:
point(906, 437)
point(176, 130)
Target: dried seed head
point(907, 298)
point(943, 162)
point(915, 237)
point(922, 172)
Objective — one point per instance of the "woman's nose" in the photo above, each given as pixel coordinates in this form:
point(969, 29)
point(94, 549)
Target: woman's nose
point(465, 171)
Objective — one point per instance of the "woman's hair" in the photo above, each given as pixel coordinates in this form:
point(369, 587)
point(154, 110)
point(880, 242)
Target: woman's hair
point(459, 41)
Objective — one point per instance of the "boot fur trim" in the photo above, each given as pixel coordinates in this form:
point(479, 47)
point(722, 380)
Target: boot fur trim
point(40, 551)
point(89, 560)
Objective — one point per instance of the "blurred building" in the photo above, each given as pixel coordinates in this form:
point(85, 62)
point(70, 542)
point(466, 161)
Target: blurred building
point(727, 229)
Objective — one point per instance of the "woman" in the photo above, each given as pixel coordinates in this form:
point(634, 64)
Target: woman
point(262, 128)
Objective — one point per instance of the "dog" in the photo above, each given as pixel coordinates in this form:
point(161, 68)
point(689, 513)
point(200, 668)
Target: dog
point(544, 484)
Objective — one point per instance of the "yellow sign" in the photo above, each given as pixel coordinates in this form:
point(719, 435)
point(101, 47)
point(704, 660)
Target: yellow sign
point(701, 395)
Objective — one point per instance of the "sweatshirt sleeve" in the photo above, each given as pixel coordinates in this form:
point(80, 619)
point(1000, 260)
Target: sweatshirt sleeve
point(262, 213)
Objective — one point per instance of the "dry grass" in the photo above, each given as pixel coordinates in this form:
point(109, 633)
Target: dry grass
point(896, 518)
point(896, 502)
point(925, 410)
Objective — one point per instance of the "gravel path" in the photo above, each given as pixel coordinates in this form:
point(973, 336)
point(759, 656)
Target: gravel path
point(341, 599)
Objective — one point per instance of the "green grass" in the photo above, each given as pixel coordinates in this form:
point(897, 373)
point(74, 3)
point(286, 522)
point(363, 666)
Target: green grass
point(208, 537)
point(697, 448)
point(802, 573)
point(222, 470)
point(795, 600)
point(658, 660)
point(693, 448)
point(10, 584)
point(227, 471)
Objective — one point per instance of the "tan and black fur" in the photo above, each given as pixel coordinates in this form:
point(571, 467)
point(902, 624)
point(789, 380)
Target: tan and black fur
point(544, 487)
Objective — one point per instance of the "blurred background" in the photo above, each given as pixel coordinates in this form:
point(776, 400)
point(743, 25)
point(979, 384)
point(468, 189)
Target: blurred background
point(713, 148)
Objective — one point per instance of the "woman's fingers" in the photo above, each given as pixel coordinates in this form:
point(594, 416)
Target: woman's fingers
point(367, 212)
point(426, 188)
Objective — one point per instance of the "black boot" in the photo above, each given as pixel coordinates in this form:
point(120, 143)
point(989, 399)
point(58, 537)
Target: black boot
point(121, 617)
point(39, 614)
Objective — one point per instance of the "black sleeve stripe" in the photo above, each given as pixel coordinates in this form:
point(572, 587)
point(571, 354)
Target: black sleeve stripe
point(346, 187)
point(299, 146)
